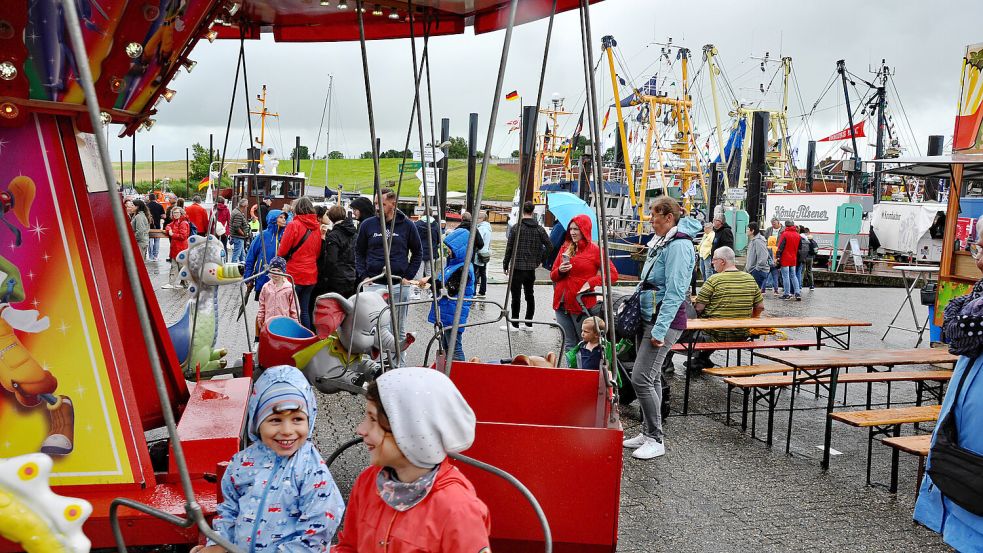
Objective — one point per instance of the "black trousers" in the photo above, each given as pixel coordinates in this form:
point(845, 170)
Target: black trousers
point(481, 279)
point(523, 281)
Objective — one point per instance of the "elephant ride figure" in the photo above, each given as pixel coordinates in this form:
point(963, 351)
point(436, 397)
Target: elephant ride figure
point(354, 335)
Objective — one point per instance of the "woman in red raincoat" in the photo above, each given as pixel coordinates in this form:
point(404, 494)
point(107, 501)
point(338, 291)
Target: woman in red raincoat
point(577, 269)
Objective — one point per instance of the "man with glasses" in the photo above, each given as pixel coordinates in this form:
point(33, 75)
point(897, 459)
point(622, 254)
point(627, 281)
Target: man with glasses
point(729, 294)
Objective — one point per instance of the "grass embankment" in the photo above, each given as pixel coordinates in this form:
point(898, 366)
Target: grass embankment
point(353, 174)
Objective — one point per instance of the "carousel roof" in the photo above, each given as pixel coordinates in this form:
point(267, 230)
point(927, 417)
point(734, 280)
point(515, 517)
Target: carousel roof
point(135, 48)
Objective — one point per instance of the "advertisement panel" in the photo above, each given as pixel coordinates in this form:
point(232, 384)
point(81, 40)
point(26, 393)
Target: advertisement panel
point(903, 227)
point(817, 211)
point(968, 133)
point(59, 391)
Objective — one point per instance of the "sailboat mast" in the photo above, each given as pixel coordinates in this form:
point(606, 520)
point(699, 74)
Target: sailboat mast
point(881, 123)
point(263, 114)
point(710, 52)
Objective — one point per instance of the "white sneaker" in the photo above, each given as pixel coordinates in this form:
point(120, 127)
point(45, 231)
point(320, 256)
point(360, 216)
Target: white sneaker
point(169, 286)
point(636, 442)
point(510, 328)
point(650, 449)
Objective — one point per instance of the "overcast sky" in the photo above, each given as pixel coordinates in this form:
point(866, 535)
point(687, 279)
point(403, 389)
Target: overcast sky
point(923, 42)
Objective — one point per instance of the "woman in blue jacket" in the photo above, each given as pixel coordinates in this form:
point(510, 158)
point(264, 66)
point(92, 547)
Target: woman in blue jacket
point(262, 251)
point(457, 246)
point(666, 273)
point(960, 528)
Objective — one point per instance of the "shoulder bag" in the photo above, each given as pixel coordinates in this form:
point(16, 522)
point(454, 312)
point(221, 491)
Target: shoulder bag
point(956, 471)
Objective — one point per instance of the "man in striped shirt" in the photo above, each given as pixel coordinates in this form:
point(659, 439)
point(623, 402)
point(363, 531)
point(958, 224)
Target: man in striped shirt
point(729, 294)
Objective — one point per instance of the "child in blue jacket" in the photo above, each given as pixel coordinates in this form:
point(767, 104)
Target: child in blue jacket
point(278, 493)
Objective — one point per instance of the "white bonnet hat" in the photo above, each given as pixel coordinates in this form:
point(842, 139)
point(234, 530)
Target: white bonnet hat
point(428, 416)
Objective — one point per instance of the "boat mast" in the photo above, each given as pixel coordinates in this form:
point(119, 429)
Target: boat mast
point(608, 43)
point(263, 114)
point(710, 53)
point(852, 175)
point(787, 174)
point(881, 123)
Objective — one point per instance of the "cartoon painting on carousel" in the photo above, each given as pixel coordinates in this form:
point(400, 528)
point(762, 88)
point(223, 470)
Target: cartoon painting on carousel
point(968, 134)
point(56, 393)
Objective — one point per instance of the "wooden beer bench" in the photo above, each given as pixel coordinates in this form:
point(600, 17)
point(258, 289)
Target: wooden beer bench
point(823, 367)
point(822, 326)
point(917, 445)
point(884, 422)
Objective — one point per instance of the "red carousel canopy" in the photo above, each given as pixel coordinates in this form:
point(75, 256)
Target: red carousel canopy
point(136, 46)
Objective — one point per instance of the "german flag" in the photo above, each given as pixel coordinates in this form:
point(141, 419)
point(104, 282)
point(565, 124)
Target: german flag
point(514, 95)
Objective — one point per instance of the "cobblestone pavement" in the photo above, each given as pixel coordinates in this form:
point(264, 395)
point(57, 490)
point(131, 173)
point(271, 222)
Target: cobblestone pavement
point(716, 489)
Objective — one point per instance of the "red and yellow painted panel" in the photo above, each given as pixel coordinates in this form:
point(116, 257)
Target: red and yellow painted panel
point(968, 134)
point(59, 389)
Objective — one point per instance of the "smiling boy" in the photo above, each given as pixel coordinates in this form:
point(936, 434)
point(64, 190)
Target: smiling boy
point(278, 492)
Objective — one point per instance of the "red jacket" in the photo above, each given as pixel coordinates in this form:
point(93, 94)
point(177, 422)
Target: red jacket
point(197, 216)
point(224, 216)
point(178, 237)
point(788, 247)
point(302, 265)
point(586, 268)
point(449, 519)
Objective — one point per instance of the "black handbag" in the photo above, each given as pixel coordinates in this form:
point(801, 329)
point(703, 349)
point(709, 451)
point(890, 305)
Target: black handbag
point(628, 319)
point(957, 472)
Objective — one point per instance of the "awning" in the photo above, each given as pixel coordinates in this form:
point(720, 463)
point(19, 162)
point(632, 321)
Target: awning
point(933, 167)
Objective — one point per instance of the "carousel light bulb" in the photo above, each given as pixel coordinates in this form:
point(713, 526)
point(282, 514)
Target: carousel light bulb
point(211, 35)
point(325, 2)
point(8, 71)
point(342, 4)
point(168, 94)
point(134, 50)
point(233, 9)
point(189, 65)
point(8, 110)
point(394, 15)
point(149, 124)
point(377, 10)
point(105, 118)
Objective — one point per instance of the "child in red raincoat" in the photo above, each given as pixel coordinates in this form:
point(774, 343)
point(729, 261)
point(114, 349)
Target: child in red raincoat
point(178, 231)
point(411, 499)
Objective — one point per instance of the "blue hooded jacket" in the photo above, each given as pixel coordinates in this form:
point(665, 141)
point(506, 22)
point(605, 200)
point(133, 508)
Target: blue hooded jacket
point(405, 253)
point(959, 528)
point(457, 243)
point(274, 503)
point(255, 262)
point(669, 268)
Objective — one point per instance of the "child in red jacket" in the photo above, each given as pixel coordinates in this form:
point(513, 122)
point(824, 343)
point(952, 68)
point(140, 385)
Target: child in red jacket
point(178, 231)
point(412, 499)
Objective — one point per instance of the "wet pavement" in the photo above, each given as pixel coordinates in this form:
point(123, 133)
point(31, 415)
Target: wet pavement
point(716, 489)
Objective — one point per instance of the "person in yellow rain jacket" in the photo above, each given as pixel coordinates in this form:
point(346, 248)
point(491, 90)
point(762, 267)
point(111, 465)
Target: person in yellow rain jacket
point(706, 250)
point(774, 277)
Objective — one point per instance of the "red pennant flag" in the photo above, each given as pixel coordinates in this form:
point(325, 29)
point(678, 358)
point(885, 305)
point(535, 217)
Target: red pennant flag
point(858, 131)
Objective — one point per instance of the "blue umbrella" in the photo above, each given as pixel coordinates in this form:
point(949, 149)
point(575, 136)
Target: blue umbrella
point(565, 206)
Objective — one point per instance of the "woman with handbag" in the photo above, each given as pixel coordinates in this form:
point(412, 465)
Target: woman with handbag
point(662, 297)
point(950, 500)
point(300, 246)
point(577, 269)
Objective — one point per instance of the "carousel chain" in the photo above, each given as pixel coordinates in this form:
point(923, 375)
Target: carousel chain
point(489, 140)
point(524, 183)
point(192, 508)
point(394, 319)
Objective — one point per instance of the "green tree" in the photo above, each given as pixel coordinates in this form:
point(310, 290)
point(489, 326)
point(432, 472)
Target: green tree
point(199, 162)
point(335, 154)
point(608, 154)
point(458, 148)
point(515, 153)
point(366, 155)
point(304, 153)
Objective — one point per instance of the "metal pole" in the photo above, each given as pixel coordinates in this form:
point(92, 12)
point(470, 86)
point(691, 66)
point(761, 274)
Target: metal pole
point(472, 160)
point(879, 152)
point(192, 508)
point(133, 161)
point(152, 163)
point(120, 168)
point(445, 135)
point(187, 171)
point(327, 138)
point(852, 183)
point(811, 165)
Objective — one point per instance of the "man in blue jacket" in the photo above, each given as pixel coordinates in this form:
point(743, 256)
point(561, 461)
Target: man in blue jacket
point(405, 253)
